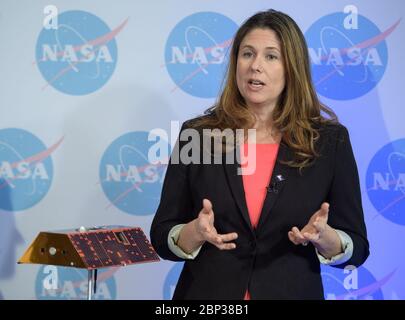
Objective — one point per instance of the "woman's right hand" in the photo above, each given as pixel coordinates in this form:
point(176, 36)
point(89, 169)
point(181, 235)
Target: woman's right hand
point(204, 226)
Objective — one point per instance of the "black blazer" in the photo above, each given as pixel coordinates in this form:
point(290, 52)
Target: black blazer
point(265, 261)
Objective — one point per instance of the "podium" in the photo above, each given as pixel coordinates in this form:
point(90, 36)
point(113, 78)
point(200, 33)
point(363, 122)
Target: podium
point(91, 249)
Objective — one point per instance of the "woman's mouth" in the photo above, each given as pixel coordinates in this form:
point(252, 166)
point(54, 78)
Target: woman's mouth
point(255, 84)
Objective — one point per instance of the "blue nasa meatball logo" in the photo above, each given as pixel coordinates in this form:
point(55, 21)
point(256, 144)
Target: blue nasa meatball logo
point(352, 283)
point(385, 181)
point(60, 283)
point(80, 55)
point(129, 180)
point(347, 62)
point(26, 169)
point(196, 53)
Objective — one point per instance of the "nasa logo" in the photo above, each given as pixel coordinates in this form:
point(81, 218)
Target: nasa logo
point(348, 60)
point(130, 181)
point(60, 283)
point(196, 53)
point(385, 181)
point(171, 280)
point(80, 55)
point(352, 283)
point(26, 169)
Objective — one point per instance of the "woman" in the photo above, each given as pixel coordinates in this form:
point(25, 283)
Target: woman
point(264, 235)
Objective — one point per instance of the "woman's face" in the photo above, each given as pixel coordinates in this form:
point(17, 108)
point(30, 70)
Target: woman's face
point(260, 71)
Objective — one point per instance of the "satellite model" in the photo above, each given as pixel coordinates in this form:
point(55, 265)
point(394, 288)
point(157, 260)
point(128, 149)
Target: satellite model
point(91, 249)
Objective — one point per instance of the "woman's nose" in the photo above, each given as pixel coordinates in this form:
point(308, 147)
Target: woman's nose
point(257, 65)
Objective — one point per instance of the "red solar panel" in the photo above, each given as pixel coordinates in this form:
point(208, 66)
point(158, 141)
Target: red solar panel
point(112, 247)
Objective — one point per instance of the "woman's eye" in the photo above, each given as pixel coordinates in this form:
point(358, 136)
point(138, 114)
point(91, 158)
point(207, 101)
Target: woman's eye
point(247, 54)
point(271, 57)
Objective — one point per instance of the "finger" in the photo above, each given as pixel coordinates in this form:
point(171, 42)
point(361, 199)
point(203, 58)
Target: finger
point(213, 238)
point(228, 237)
point(325, 206)
point(207, 206)
point(292, 238)
point(298, 234)
point(226, 246)
point(299, 237)
point(323, 212)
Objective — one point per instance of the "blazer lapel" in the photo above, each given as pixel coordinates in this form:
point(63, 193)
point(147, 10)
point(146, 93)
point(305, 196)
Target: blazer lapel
point(278, 179)
point(236, 185)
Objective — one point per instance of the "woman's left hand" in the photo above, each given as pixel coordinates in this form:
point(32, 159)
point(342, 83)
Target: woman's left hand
point(319, 233)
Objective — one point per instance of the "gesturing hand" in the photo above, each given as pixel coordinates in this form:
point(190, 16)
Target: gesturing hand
point(206, 231)
point(313, 230)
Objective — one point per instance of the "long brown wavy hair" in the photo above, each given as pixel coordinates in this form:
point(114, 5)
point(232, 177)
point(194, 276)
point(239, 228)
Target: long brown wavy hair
point(297, 114)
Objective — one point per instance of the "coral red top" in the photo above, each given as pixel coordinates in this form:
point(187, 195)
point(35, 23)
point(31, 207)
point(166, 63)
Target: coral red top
point(255, 184)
